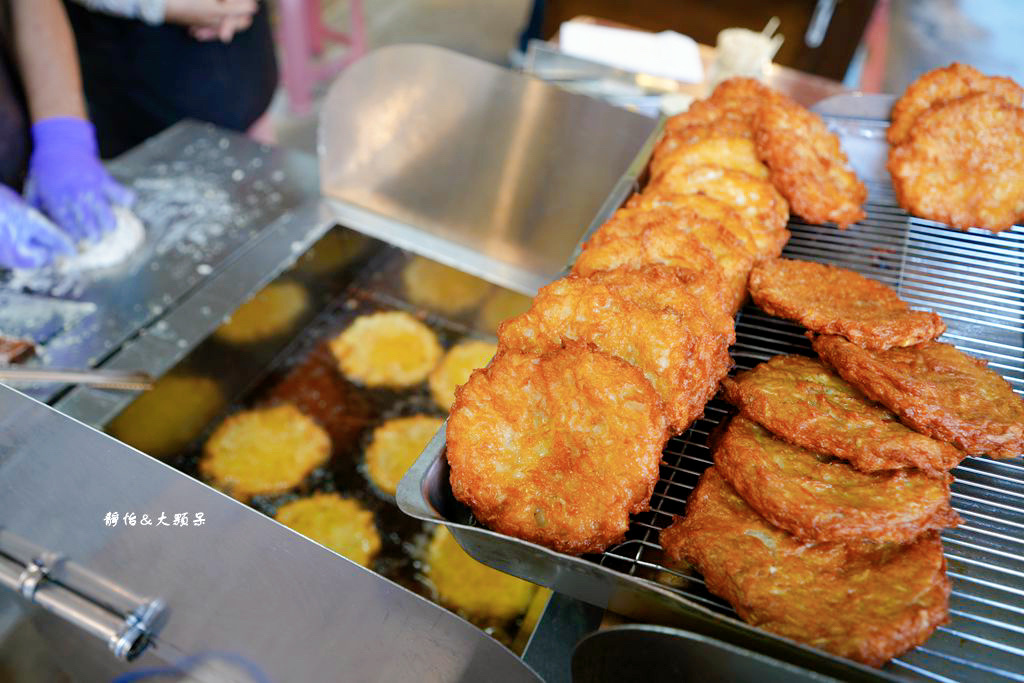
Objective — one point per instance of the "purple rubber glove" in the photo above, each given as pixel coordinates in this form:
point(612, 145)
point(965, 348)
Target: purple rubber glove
point(67, 182)
point(27, 239)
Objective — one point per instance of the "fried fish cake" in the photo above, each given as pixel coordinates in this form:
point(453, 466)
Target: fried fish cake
point(439, 288)
point(807, 165)
point(754, 198)
point(963, 164)
point(339, 524)
point(558, 448)
point(669, 236)
point(816, 498)
point(727, 152)
point(694, 205)
point(469, 587)
point(456, 366)
point(937, 390)
point(681, 350)
point(683, 133)
point(832, 300)
point(499, 307)
point(941, 85)
point(264, 451)
point(394, 447)
point(865, 601)
point(389, 349)
point(273, 311)
point(165, 419)
point(805, 403)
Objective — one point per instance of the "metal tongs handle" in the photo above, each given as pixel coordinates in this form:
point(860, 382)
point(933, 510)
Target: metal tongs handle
point(107, 379)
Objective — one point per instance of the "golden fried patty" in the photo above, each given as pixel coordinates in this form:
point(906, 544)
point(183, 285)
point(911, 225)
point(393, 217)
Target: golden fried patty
point(681, 350)
point(942, 85)
point(755, 199)
point(964, 164)
point(165, 419)
point(801, 401)
point(807, 165)
point(273, 311)
point(727, 152)
point(865, 601)
point(669, 236)
point(936, 389)
point(456, 366)
point(558, 448)
point(442, 289)
point(499, 307)
point(263, 451)
point(817, 498)
point(391, 349)
point(469, 587)
point(340, 524)
point(832, 300)
point(394, 447)
point(697, 205)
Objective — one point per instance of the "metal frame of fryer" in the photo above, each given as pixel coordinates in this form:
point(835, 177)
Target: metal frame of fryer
point(974, 281)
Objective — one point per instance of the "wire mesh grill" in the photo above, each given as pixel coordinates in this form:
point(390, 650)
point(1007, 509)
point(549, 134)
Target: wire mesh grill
point(973, 280)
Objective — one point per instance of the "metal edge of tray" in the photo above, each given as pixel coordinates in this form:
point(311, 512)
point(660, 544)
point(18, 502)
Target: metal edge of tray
point(163, 343)
point(599, 585)
point(657, 653)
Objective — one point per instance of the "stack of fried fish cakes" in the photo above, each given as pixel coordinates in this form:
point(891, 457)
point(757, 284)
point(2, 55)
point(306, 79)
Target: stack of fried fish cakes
point(820, 517)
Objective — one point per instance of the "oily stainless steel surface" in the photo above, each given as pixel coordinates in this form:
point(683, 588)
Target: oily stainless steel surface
point(203, 193)
point(129, 380)
point(162, 344)
point(473, 165)
point(295, 611)
point(973, 280)
point(656, 654)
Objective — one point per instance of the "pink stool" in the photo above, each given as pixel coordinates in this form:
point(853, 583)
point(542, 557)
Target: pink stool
point(304, 36)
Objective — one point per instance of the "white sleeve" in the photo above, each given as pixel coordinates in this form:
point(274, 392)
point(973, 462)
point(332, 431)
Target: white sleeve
point(149, 11)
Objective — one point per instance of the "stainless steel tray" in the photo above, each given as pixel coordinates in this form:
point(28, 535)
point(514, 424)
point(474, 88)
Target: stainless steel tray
point(973, 280)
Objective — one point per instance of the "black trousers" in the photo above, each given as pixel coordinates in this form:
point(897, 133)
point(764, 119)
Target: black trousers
point(141, 79)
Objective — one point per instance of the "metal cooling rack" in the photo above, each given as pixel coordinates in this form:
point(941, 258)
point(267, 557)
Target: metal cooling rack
point(973, 281)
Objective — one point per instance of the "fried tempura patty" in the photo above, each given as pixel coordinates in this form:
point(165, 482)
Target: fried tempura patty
point(648, 321)
point(437, 287)
point(805, 403)
point(669, 236)
point(727, 152)
point(465, 585)
point(865, 601)
point(394, 447)
point(165, 419)
point(273, 311)
point(819, 499)
point(456, 366)
point(936, 389)
point(807, 165)
point(964, 164)
point(752, 197)
point(941, 85)
point(832, 300)
point(558, 449)
point(341, 524)
point(263, 451)
point(758, 241)
point(390, 349)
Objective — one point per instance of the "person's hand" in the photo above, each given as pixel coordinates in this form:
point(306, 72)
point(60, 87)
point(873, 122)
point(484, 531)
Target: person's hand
point(211, 19)
point(225, 31)
point(27, 239)
point(67, 181)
